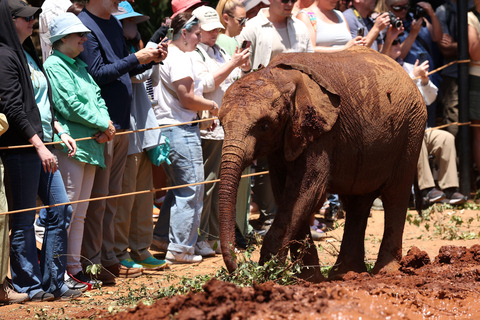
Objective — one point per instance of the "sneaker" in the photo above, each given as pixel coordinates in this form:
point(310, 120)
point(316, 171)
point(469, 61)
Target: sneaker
point(159, 245)
point(121, 271)
point(42, 296)
point(318, 234)
point(217, 249)
point(173, 257)
point(8, 295)
point(129, 263)
point(39, 231)
point(455, 197)
point(152, 264)
point(377, 204)
point(203, 249)
point(74, 284)
point(83, 278)
point(70, 294)
point(434, 195)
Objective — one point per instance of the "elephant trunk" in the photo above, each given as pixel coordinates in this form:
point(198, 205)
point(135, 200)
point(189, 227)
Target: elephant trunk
point(230, 174)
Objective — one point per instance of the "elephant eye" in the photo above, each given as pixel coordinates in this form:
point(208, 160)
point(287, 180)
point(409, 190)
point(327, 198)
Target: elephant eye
point(264, 126)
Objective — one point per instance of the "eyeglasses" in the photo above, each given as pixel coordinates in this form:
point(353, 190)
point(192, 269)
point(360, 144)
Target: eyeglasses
point(396, 42)
point(241, 21)
point(400, 8)
point(81, 34)
point(287, 1)
point(28, 19)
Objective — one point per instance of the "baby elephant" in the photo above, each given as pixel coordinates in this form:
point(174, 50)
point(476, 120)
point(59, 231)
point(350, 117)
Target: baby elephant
point(349, 123)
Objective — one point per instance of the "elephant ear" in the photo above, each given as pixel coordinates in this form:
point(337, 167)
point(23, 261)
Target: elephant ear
point(314, 109)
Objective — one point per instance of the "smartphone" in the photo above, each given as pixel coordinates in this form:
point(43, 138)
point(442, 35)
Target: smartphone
point(360, 32)
point(169, 35)
point(422, 57)
point(245, 44)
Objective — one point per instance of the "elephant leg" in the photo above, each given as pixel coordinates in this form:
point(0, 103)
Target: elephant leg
point(395, 203)
point(311, 268)
point(352, 250)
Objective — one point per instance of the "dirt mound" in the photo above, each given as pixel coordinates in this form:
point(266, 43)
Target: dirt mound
point(447, 288)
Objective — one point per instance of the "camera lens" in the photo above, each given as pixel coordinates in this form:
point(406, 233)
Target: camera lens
point(394, 21)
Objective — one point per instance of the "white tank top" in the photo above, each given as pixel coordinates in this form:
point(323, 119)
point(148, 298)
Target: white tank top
point(331, 35)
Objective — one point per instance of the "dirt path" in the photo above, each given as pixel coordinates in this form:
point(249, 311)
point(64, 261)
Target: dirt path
point(446, 289)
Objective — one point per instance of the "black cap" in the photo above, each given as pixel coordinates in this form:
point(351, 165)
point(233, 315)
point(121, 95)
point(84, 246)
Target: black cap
point(19, 8)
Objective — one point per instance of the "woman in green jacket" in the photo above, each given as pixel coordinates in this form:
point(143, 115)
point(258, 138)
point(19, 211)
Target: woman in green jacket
point(81, 111)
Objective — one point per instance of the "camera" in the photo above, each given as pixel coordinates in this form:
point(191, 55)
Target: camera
point(394, 21)
point(418, 13)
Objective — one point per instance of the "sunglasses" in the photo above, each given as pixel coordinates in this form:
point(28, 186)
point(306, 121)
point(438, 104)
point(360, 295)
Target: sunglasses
point(287, 1)
point(81, 34)
point(400, 8)
point(396, 42)
point(28, 19)
point(241, 21)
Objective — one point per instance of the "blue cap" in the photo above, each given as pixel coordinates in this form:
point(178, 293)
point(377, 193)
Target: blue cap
point(65, 24)
point(125, 11)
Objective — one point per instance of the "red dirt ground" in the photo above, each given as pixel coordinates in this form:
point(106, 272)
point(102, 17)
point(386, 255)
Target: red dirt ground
point(447, 288)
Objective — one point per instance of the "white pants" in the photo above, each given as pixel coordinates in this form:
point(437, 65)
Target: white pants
point(78, 179)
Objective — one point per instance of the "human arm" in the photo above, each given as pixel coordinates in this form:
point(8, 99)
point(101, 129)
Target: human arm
point(406, 45)
point(184, 88)
point(473, 43)
point(392, 34)
point(302, 16)
point(69, 142)
point(428, 90)
point(448, 46)
point(435, 28)
point(381, 22)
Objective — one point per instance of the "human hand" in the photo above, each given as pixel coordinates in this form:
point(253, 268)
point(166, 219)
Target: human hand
point(416, 26)
point(212, 127)
point(382, 21)
point(357, 41)
point(163, 49)
point(70, 143)
point(48, 160)
point(393, 33)
point(214, 110)
point(447, 40)
point(148, 55)
point(101, 137)
point(421, 71)
point(427, 7)
point(111, 131)
point(240, 58)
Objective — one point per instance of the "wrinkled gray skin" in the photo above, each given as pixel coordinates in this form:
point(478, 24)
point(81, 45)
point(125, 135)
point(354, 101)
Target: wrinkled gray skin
point(349, 123)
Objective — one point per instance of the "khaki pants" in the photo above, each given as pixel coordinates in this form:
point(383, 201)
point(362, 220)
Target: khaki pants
point(134, 218)
point(440, 144)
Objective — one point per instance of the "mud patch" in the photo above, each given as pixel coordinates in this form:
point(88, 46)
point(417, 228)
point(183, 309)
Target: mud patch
point(445, 289)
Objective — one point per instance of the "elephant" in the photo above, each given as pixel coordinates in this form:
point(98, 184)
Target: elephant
point(349, 123)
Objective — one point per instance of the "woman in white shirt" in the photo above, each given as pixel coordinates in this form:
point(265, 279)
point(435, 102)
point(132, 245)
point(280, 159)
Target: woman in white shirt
point(179, 98)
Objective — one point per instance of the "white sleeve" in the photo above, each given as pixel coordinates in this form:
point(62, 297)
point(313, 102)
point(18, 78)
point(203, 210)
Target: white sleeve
point(429, 91)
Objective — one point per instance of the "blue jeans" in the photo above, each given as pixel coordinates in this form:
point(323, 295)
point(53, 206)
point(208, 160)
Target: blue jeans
point(179, 218)
point(26, 179)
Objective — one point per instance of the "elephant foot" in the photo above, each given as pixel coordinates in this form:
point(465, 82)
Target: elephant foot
point(386, 267)
point(340, 270)
point(311, 274)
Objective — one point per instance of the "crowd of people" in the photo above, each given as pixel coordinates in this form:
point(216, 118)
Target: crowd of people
point(97, 79)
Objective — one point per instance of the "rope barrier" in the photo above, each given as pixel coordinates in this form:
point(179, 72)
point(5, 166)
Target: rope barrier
point(128, 194)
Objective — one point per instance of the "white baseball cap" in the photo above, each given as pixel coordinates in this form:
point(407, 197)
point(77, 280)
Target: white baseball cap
point(249, 4)
point(208, 17)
